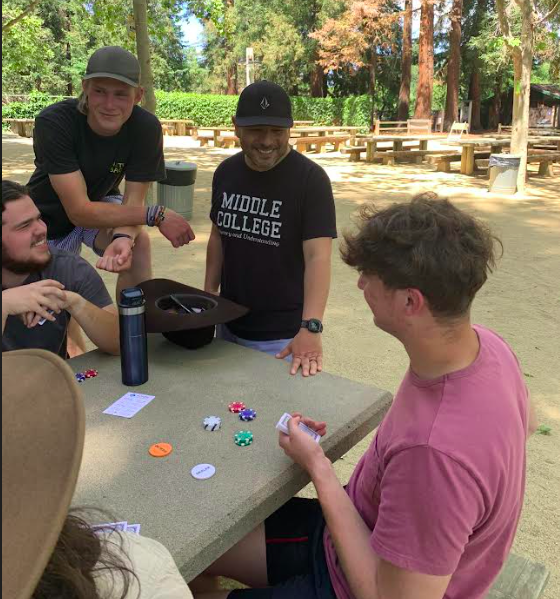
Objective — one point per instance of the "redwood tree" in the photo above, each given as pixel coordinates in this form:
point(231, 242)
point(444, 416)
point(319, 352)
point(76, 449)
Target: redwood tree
point(453, 66)
point(425, 62)
point(406, 63)
point(143, 49)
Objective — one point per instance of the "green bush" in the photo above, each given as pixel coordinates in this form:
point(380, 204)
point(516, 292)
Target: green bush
point(216, 110)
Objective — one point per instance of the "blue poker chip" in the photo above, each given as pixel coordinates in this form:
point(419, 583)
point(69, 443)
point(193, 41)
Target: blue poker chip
point(80, 377)
point(247, 414)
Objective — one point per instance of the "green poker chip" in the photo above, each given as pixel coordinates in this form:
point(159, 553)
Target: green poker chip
point(243, 438)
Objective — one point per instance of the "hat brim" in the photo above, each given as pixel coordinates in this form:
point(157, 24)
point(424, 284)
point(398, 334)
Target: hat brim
point(112, 76)
point(270, 121)
point(218, 310)
point(43, 429)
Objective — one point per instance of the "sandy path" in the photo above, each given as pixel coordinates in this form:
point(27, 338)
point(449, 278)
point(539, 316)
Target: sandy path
point(521, 301)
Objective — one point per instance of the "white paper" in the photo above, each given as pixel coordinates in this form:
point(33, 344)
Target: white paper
point(129, 405)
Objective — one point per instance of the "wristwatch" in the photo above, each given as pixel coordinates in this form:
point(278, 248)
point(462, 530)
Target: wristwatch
point(313, 325)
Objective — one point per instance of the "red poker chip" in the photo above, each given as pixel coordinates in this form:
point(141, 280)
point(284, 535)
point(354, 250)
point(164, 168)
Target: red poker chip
point(236, 406)
point(89, 374)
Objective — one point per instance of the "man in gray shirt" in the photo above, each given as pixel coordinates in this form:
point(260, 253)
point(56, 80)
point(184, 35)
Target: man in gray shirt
point(43, 289)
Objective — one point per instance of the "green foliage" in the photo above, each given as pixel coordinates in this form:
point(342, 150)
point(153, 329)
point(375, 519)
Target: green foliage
point(205, 110)
point(28, 110)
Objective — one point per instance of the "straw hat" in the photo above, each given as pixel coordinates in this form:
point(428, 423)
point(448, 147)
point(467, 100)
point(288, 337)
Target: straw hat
point(43, 426)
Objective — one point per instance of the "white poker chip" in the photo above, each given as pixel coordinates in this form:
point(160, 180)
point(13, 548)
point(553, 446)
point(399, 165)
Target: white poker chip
point(212, 423)
point(203, 471)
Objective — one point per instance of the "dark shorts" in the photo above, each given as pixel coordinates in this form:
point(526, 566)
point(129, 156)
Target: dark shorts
point(295, 556)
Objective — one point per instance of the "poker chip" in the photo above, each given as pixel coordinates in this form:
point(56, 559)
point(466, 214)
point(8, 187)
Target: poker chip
point(243, 438)
point(80, 377)
point(236, 406)
point(247, 414)
point(90, 374)
point(212, 423)
point(160, 450)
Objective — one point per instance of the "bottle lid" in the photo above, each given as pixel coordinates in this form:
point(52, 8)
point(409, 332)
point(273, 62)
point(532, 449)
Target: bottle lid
point(133, 297)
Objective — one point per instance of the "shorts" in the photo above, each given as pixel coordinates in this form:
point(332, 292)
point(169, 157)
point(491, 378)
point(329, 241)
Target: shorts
point(73, 241)
point(295, 556)
point(268, 347)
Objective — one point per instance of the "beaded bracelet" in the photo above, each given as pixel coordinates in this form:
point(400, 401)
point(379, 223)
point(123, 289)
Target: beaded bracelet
point(155, 215)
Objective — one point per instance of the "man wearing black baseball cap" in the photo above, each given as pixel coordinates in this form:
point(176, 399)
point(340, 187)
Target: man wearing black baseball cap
point(273, 221)
point(84, 148)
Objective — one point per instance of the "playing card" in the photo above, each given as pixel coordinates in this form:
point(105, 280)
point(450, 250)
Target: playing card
point(129, 405)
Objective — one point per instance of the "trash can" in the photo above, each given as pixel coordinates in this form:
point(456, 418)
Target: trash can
point(503, 172)
point(177, 189)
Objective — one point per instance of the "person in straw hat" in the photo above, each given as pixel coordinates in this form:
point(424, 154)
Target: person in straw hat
point(49, 552)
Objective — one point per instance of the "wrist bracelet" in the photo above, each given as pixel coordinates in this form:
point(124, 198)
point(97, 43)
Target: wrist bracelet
point(152, 214)
point(119, 235)
point(160, 216)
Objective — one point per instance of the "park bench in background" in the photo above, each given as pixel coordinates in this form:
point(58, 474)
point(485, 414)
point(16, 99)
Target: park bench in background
point(381, 127)
point(22, 127)
point(443, 161)
point(354, 152)
point(204, 137)
point(408, 155)
point(228, 141)
point(177, 126)
point(418, 127)
point(520, 578)
point(303, 144)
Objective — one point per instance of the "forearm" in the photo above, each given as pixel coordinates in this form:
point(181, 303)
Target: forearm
point(214, 260)
point(134, 195)
point(101, 215)
point(317, 282)
point(101, 326)
point(350, 535)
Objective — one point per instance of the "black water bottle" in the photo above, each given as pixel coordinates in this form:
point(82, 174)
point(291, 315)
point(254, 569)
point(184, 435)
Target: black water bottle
point(134, 341)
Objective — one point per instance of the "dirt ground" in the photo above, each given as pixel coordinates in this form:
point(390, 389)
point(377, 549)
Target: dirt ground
point(521, 300)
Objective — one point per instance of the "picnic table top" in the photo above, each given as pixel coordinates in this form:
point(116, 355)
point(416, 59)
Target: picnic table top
point(419, 137)
point(198, 520)
point(186, 121)
point(325, 128)
point(505, 140)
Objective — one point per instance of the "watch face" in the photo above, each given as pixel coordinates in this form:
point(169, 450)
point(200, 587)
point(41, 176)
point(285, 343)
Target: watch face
point(314, 326)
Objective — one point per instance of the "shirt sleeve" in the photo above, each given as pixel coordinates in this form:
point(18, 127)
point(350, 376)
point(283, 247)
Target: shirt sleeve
point(428, 509)
point(147, 162)
point(318, 211)
point(87, 283)
point(54, 146)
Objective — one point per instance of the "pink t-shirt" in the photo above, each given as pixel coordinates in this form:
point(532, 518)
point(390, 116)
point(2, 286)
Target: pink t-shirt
point(441, 485)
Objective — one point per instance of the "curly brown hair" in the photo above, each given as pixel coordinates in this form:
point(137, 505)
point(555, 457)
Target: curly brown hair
point(427, 244)
point(79, 556)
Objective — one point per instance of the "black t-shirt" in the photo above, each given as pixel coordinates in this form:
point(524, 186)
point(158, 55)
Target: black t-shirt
point(76, 275)
point(64, 143)
point(264, 218)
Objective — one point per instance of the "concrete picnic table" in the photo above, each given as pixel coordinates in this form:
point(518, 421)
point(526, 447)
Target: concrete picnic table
point(397, 141)
point(198, 520)
point(496, 143)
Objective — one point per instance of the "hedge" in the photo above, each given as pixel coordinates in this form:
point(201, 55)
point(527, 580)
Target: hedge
point(216, 110)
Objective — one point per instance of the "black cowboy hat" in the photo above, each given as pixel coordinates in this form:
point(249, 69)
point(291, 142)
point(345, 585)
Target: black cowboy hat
point(185, 315)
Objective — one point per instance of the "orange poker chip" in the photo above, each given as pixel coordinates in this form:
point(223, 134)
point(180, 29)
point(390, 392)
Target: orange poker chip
point(160, 450)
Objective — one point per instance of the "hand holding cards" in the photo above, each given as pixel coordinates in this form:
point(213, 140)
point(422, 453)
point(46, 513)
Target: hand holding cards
point(283, 427)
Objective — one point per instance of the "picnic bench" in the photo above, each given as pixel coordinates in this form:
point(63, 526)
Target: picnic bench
point(204, 137)
point(545, 161)
point(177, 126)
point(228, 141)
point(304, 144)
point(22, 127)
point(408, 127)
point(520, 578)
point(443, 160)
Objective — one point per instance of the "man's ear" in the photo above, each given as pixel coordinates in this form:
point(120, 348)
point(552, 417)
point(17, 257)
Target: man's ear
point(138, 95)
point(415, 301)
point(85, 83)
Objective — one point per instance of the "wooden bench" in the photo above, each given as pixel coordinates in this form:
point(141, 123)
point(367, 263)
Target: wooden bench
point(520, 578)
point(228, 141)
point(418, 127)
point(354, 152)
point(545, 161)
point(22, 127)
point(303, 144)
point(443, 161)
point(389, 158)
point(204, 137)
point(177, 126)
point(380, 127)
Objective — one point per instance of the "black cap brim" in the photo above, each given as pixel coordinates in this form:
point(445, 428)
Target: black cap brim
point(267, 121)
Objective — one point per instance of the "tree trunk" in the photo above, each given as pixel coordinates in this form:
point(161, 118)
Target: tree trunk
point(495, 115)
point(453, 66)
point(372, 81)
point(474, 95)
point(69, 86)
point(522, 65)
point(143, 50)
point(425, 62)
point(406, 64)
point(231, 80)
point(317, 76)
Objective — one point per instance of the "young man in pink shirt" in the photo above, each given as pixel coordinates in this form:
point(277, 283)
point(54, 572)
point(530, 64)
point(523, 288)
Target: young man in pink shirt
point(432, 507)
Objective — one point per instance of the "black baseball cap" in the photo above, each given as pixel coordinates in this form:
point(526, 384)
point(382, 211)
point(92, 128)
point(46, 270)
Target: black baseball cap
point(264, 103)
point(116, 63)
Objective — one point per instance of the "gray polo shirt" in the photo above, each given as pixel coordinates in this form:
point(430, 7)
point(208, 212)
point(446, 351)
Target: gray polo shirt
point(76, 275)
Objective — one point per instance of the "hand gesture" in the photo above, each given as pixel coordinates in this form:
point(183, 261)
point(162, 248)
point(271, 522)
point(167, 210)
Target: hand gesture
point(299, 446)
point(176, 229)
point(307, 352)
point(117, 256)
point(36, 298)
